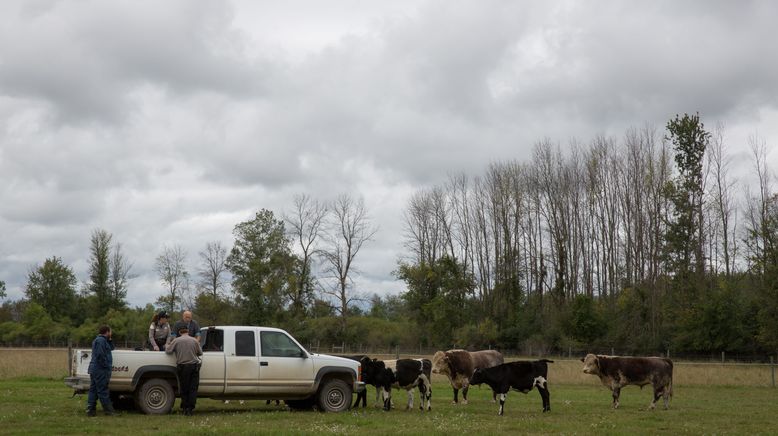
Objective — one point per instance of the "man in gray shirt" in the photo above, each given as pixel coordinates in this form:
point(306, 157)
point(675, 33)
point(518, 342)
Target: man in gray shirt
point(188, 352)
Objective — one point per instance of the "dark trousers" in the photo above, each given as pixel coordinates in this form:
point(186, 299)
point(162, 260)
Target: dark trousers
point(98, 388)
point(189, 379)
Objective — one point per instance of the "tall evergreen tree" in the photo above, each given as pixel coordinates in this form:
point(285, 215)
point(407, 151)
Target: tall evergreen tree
point(100, 270)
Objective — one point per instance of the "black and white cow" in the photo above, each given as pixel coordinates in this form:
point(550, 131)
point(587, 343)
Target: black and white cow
point(363, 394)
point(520, 376)
point(616, 372)
point(407, 374)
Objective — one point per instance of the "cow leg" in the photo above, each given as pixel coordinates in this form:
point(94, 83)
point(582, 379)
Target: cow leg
point(464, 394)
point(456, 395)
point(544, 394)
point(542, 385)
point(502, 404)
point(377, 394)
point(616, 393)
point(409, 406)
point(666, 393)
point(387, 395)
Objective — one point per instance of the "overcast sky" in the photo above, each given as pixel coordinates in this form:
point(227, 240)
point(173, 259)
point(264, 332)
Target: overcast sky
point(169, 122)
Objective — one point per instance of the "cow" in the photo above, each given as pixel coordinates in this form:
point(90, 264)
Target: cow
point(364, 361)
point(407, 374)
point(458, 366)
point(520, 376)
point(616, 372)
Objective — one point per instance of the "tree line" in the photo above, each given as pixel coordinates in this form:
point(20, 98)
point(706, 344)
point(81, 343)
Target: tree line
point(644, 243)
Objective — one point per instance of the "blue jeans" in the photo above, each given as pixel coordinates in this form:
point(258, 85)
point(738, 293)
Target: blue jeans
point(98, 388)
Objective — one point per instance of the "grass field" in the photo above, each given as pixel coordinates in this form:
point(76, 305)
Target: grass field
point(45, 406)
point(708, 399)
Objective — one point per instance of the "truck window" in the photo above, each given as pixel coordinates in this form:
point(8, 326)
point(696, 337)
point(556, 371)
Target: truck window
point(244, 343)
point(277, 344)
point(212, 340)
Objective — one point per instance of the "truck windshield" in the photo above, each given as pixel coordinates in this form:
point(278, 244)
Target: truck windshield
point(277, 344)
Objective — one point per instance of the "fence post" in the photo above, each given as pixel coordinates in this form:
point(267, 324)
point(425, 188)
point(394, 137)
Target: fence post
point(397, 352)
point(722, 357)
point(612, 353)
point(668, 353)
point(569, 351)
point(70, 360)
point(772, 368)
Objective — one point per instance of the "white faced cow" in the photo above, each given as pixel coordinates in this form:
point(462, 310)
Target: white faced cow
point(408, 374)
point(458, 366)
point(616, 372)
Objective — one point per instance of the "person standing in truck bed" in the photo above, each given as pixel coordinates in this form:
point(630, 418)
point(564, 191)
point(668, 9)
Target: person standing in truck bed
point(189, 323)
point(159, 331)
point(188, 352)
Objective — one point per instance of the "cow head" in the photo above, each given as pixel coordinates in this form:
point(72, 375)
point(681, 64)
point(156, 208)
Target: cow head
point(591, 364)
point(440, 363)
point(478, 377)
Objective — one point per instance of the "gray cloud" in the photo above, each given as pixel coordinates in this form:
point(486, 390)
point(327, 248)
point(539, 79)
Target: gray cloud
point(168, 123)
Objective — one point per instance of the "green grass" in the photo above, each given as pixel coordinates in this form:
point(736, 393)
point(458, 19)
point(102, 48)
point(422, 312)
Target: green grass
point(45, 406)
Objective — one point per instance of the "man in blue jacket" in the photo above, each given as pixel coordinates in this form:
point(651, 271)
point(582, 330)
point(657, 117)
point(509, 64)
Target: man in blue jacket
point(100, 373)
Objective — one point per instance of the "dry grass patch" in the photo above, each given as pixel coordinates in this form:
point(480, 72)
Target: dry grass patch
point(33, 362)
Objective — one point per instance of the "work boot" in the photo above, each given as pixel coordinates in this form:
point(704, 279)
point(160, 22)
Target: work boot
point(90, 412)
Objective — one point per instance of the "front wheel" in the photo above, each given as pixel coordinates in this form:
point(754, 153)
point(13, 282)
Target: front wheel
point(334, 396)
point(155, 397)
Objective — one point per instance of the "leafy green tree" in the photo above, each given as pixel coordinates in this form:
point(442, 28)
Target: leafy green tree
point(2, 289)
point(584, 322)
point(40, 326)
point(437, 297)
point(262, 267)
point(53, 287)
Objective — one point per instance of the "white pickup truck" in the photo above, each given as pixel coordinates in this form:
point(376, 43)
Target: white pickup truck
point(237, 363)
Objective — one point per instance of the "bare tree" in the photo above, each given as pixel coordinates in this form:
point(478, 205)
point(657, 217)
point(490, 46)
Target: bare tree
point(212, 268)
point(171, 268)
point(724, 205)
point(306, 224)
point(349, 229)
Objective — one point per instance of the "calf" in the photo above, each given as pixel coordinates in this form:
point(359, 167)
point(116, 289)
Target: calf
point(520, 376)
point(407, 374)
point(458, 366)
point(362, 359)
point(616, 372)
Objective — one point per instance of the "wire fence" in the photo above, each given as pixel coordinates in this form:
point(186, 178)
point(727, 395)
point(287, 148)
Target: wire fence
point(420, 351)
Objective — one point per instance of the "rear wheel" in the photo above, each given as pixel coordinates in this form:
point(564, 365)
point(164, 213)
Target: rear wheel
point(155, 397)
point(334, 396)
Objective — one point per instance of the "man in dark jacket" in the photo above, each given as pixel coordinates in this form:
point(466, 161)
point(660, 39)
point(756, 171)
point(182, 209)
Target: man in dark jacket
point(100, 373)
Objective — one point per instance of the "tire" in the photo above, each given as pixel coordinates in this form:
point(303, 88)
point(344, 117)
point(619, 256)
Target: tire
point(306, 404)
point(334, 396)
point(155, 397)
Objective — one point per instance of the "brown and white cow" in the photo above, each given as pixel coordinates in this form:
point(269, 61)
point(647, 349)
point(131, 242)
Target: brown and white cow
point(459, 365)
point(616, 372)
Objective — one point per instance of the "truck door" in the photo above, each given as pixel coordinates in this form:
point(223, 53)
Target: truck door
point(212, 370)
point(284, 366)
point(242, 364)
